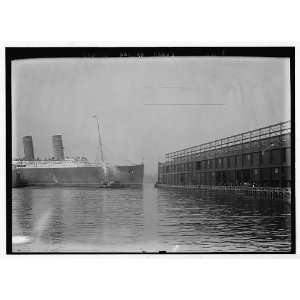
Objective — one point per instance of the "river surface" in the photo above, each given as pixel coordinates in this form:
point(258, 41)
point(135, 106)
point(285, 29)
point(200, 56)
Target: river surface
point(147, 219)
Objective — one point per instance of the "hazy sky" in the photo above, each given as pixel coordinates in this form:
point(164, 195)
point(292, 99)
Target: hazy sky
point(59, 96)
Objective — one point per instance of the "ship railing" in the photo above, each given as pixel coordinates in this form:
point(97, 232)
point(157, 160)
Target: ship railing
point(46, 164)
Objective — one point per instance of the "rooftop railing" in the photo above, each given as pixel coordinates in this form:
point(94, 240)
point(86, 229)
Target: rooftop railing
point(239, 139)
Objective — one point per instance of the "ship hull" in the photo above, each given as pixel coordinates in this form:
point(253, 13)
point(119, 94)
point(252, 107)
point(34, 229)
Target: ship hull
point(131, 175)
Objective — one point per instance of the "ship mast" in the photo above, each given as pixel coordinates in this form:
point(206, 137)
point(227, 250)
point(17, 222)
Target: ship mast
point(99, 139)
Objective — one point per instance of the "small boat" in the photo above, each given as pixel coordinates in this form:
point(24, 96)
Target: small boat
point(113, 184)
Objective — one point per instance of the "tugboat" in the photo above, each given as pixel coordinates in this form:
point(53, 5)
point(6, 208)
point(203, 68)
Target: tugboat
point(107, 184)
point(113, 184)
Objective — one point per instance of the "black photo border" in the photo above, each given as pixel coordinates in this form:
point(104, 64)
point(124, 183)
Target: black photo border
point(14, 53)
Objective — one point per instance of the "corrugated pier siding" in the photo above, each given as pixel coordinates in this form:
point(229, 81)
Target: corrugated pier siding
point(259, 158)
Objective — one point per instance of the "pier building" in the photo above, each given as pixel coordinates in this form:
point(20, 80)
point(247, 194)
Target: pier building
point(260, 158)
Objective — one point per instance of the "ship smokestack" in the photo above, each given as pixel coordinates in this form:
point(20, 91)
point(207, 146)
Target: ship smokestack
point(28, 148)
point(58, 149)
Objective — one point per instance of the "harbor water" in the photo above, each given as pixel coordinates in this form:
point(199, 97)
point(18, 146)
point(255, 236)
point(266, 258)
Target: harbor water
point(146, 220)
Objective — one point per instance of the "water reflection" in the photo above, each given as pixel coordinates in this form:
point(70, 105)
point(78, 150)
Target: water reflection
point(22, 212)
point(211, 221)
point(50, 227)
point(150, 218)
point(72, 219)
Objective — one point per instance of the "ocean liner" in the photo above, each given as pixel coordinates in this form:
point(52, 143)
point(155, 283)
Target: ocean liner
point(78, 171)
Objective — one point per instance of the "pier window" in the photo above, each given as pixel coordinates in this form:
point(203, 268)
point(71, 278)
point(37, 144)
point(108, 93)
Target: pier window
point(198, 178)
point(198, 165)
point(202, 164)
point(249, 158)
point(286, 177)
point(232, 161)
point(208, 164)
point(239, 162)
point(204, 178)
point(283, 155)
point(288, 156)
point(244, 157)
point(224, 160)
point(220, 163)
point(266, 174)
point(275, 173)
point(286, 173)
point(266, 157)
point(256, 176)
point(275, 157)
point(216, 164)
point(255, 159)
point(228, 162)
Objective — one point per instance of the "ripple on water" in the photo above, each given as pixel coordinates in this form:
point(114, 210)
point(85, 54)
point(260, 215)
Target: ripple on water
point(71, 219)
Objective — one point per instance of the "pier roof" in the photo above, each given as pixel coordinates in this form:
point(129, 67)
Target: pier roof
point(242, 138)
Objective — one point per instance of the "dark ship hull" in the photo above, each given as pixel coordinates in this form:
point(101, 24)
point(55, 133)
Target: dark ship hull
point(131, 176)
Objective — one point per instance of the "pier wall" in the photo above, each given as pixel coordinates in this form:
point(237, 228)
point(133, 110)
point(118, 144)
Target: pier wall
point(269, 192)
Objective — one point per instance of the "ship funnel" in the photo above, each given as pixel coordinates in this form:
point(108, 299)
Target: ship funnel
point(28, 148)
point(58, 149)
